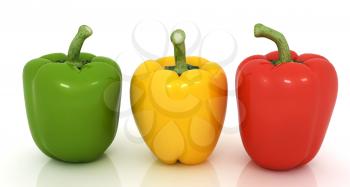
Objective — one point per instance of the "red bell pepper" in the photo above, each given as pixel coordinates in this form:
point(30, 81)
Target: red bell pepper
point(285, 103)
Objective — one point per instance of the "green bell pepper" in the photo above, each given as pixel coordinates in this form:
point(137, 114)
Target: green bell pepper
point(73, 102)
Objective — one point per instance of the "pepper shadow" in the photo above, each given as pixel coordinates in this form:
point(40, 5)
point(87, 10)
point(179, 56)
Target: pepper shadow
point(253, 175)
point(60, 174)
point(159, 174)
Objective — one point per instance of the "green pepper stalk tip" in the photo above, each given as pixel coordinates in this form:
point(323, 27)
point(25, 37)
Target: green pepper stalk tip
point(85, 31)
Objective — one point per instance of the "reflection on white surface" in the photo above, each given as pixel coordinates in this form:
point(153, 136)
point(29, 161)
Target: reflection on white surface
point(253, 175)
point(159, 174)
point(98, 173)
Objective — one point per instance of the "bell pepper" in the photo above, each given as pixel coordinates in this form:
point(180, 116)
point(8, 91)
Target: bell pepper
point(179, 104)
point(285, 103)
point(72, 102)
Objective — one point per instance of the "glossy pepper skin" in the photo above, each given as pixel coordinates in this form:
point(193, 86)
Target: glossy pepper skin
point(72, 102)
point(179, 114)
point(284, 105)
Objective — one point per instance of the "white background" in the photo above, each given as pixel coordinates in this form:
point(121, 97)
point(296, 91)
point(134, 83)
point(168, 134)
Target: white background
point(31, 28)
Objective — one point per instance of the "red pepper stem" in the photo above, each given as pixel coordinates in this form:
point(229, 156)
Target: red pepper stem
point(75, 47)
point(261, 30)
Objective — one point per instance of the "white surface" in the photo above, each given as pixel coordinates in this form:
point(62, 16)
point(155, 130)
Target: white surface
point(31, 28)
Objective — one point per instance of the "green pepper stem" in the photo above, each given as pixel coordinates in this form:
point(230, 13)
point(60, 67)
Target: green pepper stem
point(75, 46)
point(261, 30)
point(178, 39)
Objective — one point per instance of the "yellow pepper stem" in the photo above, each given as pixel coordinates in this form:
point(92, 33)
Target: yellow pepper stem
point(178, 39)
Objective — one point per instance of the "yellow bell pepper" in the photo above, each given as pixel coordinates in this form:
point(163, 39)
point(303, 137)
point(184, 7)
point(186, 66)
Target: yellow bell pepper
point(179, 109)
